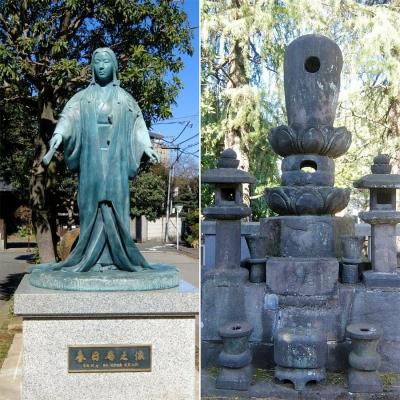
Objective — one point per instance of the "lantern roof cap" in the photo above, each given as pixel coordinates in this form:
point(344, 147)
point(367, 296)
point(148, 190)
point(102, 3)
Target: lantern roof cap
point(381, 178)
point(227, 170)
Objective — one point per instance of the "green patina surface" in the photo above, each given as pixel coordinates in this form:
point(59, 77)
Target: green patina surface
point(105, 140)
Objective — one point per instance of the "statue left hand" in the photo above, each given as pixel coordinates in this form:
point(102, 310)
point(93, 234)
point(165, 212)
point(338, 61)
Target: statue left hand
point(154, 157)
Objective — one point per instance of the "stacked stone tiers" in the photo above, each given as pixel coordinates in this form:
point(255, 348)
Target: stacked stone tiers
point(304, 274)
point(383, 218)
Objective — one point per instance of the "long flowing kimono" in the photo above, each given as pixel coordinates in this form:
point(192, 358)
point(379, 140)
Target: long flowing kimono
point(103, 193)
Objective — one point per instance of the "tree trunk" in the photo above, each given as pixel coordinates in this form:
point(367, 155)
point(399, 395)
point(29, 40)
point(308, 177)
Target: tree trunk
point(42, 221)
point(238, 78)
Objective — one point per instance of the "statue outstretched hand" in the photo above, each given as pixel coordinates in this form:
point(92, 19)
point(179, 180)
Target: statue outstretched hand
point(55, 142)
point(154, 157)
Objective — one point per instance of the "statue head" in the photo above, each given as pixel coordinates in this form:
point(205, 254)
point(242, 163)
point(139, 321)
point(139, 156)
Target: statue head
point(104, 66)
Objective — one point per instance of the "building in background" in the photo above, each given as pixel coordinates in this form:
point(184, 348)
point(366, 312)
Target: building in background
point(160, 148)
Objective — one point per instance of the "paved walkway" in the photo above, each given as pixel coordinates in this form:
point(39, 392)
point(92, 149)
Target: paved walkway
point(14, 264)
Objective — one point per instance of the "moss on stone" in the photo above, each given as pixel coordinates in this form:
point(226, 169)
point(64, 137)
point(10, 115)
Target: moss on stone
point(390, 378)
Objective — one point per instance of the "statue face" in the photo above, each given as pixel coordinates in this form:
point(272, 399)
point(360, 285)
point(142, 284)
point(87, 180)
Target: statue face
point(103, 68)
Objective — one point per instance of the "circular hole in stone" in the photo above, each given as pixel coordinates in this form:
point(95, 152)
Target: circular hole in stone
point(312, 64)
point(365, 329)
point(236, 327)
point(308, 166)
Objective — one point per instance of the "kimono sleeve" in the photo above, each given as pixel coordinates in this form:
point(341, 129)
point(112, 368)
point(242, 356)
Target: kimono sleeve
point(139, 140)
point(69, 127)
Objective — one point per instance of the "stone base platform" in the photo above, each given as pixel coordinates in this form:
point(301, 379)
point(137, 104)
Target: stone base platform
point(265, 387)
point(55, 321)
point(375, 279)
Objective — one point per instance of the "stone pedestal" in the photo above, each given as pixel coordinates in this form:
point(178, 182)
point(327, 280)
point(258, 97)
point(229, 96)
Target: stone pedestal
point(235, 358)
point(300, 355)
point(56, 321)
point(364, 360)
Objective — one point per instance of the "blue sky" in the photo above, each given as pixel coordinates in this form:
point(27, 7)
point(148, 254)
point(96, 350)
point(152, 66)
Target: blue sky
point(187, 103)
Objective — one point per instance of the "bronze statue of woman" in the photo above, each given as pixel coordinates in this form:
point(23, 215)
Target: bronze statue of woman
point(104, 138)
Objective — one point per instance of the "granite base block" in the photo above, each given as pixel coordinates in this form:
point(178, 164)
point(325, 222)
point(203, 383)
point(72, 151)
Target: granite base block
point(55, 320)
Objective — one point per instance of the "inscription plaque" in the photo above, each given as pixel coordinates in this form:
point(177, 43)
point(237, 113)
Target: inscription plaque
point(104, 358)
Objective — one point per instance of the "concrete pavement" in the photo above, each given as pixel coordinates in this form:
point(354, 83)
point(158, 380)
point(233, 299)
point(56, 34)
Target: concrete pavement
point(13, 265)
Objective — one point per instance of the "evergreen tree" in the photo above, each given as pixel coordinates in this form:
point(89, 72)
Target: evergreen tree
point(45, 50)
point(369, 37)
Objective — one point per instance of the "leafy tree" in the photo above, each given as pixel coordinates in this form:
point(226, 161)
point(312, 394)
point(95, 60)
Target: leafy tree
point(45, 50)
point(369, 103)
point(148, 192)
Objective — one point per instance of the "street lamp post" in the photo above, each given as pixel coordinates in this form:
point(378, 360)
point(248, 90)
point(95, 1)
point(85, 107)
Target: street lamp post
point(178, 208)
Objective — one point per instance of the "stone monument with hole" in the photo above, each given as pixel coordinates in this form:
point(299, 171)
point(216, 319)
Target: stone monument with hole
point(299, 307)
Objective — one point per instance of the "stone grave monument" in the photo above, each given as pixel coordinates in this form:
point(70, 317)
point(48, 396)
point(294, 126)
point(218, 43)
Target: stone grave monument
point(104, 323)
point(298, 307)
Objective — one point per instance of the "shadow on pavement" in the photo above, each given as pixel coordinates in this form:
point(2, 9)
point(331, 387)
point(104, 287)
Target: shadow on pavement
point(26, 257)
point(21, 245)
point(9, 285)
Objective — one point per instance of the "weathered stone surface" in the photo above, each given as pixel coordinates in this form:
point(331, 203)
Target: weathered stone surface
point(305, 236)
point(300, 347)
point(234, 379)
point(222, 301)
point(302, 276)
point(300, 354)
point(33, 301)
point(374, 279)
point(307, 200)
point(300, 377)
point(363, 358)
point(276, 391)
point(322, 139)
point(350, 273)
point(235, 358)
point(352, 247)
point(312, 81)
point(257, 245)
point(373, 181)
point(328, 319)
point(364, 381)
point(235, 336)
point(378, 307)
point(322, 168)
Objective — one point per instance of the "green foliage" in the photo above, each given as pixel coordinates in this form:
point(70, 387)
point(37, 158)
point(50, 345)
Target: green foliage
point(369, 103)
point(47, 45)
point(148, 192)
point(191, 234)
point(45, 50)
point(25, 231)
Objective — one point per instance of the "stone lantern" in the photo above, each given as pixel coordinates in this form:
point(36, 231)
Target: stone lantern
point(228, 209)
point(383, 219)
point(223, 285)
